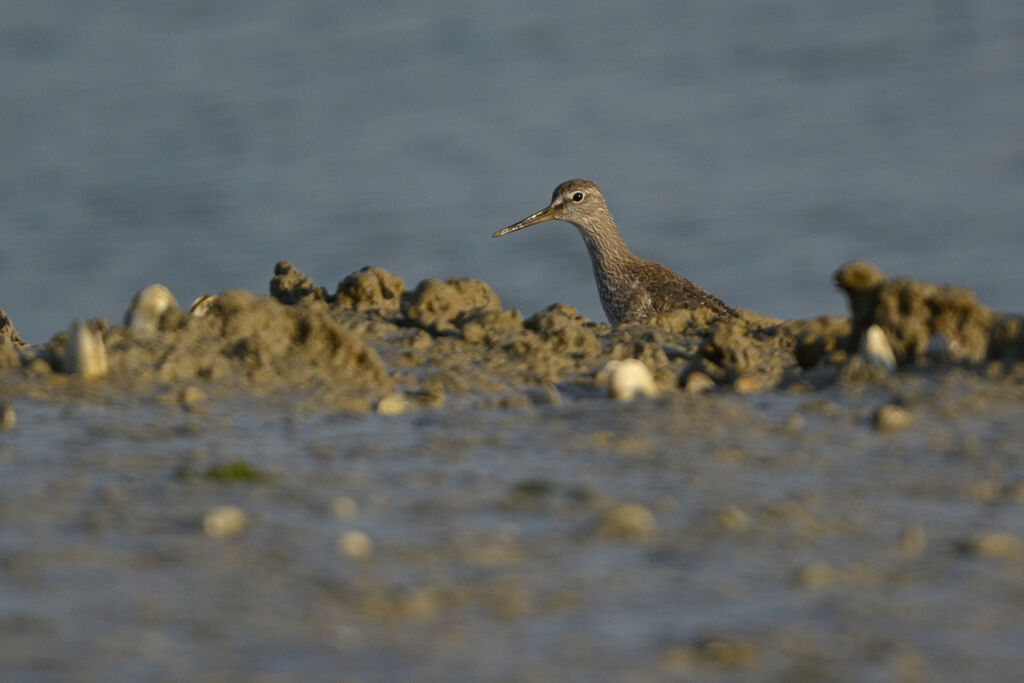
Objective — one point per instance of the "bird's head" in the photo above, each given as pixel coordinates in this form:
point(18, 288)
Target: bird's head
point(577, 201)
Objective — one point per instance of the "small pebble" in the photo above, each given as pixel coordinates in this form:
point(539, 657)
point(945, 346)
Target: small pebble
point(697, 383)
point(818, 575)
point(914, 539)
point(734, 519)
point(794, 423)
point(7, 417)
point(355, 545)
point(728, 654)
point(985, 491)
point(544, 395)
point(148, 306)
point(191, 397)
point(875, 349)
point(748, 384)
point(627, 520)
point(996, 545)
point(225, 521)
point(892, 418)
point(393, 404)
point(627, 378)
point(86, 353)
point(344, 507)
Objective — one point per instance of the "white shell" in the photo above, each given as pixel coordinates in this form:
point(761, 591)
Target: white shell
point(627, 378)
point(201, 305)
point(147, 306)
point(876, 349)
point(86, 353)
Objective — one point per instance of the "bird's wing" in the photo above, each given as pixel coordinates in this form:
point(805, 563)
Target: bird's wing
point(670, 291)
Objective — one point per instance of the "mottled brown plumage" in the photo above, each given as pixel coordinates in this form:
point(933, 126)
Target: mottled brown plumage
point(631, 288)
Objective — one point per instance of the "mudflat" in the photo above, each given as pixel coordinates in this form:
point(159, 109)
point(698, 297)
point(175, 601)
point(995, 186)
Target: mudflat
point(375, 482)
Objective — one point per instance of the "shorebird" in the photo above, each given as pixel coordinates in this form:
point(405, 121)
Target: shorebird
point(631, 288)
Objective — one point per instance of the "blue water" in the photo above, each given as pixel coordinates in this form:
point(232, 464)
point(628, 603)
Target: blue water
point(752, 146)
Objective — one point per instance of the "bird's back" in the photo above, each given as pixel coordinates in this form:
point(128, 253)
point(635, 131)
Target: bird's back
point(645, 288)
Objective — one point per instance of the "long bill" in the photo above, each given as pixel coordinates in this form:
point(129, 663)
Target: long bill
point(545, 214)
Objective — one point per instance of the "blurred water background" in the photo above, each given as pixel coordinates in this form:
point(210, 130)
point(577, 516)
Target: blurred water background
point(753, 146)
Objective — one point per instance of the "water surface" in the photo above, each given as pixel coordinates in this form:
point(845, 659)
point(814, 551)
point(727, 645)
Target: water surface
point(752, 147)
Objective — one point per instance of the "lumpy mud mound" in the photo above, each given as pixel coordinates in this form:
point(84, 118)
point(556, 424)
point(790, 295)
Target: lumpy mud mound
point(441, 306)
point(375, 339)
point(290, 286)
point(924, 321)
point(241, 341)
point(268, 344)
point(566, 331)
point(371, 289)
point(746, 350)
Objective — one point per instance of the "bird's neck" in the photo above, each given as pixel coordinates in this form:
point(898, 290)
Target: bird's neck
point(608, 251)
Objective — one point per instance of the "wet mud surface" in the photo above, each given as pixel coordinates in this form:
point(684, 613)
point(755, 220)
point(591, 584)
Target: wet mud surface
point(380, 482)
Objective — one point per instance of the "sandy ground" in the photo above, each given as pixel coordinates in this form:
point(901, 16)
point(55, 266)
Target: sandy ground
point(376, 483)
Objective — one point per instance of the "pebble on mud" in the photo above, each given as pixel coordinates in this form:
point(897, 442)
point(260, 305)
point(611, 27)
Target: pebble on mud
point(817, 575)
point(148, 307)
point(734, 519)
point(225, 521)
point(393, 404)
point(191, 397)
point(7, 417)
point(545, 394)
point(892, 418)
point(697, 382)
point(999, 545)
point(913, 540)
point(627, 520)
point(355, 545)
point(627, 378)
point(344, 507)
point(711, 651)
point(748, 383)
point(86, 354)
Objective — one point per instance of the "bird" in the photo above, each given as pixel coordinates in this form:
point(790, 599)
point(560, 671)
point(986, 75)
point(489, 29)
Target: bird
point(631, 288)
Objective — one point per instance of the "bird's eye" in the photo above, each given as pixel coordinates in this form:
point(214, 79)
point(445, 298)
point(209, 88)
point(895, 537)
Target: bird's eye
point(578, 197)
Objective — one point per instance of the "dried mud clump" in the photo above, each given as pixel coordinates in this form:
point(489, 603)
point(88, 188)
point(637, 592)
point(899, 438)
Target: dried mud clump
point(267, 339)
point(920, 319)
point(746, 345)
point(376, 344)
point(493, 328)
point(259, 342)
point(820, 340)
point(10, 343)
point(440, 307)
point(565, 331)
point(371, 289)
point(688, 320)
point(291, 286)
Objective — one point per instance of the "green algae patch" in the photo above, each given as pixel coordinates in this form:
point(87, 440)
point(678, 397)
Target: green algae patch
point(236, 471)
